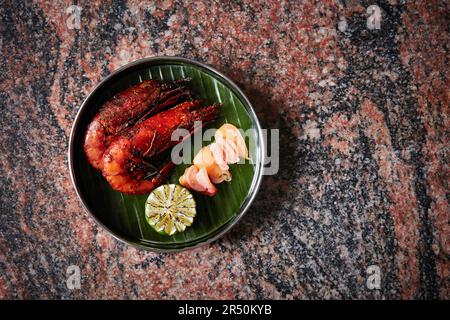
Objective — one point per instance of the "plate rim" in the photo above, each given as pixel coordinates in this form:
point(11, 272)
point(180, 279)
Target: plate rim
point(258, 169)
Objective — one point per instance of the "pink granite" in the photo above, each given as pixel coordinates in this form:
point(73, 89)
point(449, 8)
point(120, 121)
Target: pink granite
point(363, 115)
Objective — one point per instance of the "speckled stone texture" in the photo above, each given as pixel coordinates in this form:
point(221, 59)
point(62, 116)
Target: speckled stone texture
point(363, 116)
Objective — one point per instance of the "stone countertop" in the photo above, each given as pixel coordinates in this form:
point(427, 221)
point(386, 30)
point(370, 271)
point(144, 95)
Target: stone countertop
point(363, 115)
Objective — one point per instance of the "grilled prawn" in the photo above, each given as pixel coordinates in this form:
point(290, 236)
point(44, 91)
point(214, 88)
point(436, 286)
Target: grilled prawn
point(125, 109)
point(130, 164)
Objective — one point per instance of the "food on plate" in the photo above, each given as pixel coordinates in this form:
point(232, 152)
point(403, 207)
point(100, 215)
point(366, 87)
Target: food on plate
point(198, 180)
point(211, 162)
point(219, 155)
point(170, 208)
point(225, 152)
point(126, 108)
point(129, 140)
point(230, 133)
point(132, 163)
point(203, 179)
point(217, 173)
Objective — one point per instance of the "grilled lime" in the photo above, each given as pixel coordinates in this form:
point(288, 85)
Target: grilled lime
point(170, 208)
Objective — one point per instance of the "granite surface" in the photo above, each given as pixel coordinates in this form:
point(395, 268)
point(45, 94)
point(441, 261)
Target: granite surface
point(363, 115)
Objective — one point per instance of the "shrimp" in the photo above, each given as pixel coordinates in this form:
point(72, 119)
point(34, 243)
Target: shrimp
point(131, 164)
point(127, 108)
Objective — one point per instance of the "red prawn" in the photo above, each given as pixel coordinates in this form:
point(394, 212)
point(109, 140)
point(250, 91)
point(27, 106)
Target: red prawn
point(130, 164)
point(122, 111)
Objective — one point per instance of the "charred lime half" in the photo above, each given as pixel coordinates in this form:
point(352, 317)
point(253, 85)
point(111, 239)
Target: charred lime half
point(170, 208)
